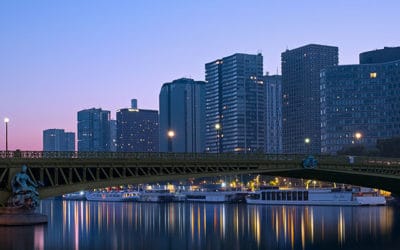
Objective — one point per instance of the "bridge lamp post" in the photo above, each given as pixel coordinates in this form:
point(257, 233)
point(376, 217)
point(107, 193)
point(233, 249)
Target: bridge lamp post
point(307, 141)
point(358, 136)
point(170, 135)
point(6, 121)
point(314, 182)
point(218, 129)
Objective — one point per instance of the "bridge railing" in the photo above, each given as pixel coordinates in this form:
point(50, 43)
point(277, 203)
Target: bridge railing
point(142, 155)
point(11, 155)
point(325, 159)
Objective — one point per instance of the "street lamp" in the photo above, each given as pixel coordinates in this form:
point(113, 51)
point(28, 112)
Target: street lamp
point(170, 135)
point(6, 121)
point(218, 128)
point(358, 136)
point(307, 141)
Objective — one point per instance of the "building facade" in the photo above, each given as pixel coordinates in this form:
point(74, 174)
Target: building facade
point(113, 135)
point(273, 114)
point(387, 54)
point(94, 130)
point(235, 104)
point(301, 118)
point(58, 140)
point(182, 116)
point(360, 104)
point(137, 129)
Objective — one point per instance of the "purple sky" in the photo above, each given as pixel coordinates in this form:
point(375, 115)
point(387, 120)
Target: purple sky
point(59, 57)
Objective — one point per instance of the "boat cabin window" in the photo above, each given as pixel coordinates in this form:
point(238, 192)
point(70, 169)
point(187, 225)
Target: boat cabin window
point(268, 196)
point(289, 196)
point(300, 195)
point(306, 195)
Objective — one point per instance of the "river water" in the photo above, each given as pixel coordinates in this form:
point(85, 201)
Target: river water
point(129, 225)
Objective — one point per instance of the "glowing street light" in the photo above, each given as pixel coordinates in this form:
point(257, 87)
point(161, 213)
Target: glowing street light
point(170, 134)
point(6, 121)
point(307, 141)
point(218, 129)
point(358, 136)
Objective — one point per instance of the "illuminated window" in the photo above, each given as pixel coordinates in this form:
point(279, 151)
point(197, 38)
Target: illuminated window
point(372, 75)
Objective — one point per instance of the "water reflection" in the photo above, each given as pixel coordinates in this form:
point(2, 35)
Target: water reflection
point(91, 225)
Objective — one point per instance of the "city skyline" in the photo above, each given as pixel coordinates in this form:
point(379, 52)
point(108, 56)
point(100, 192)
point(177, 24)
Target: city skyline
point(62, 57)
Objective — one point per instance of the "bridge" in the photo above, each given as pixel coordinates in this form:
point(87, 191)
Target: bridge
point(65, 172)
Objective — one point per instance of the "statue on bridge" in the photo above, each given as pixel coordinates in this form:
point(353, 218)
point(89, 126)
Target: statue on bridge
point(310, 162)
point(24, 193)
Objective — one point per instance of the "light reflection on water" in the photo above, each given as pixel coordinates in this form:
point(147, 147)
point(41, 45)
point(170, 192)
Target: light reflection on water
point(91, 225)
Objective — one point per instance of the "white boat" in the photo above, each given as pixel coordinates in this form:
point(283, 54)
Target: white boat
point(76, 196)
point(113, 196)
point(334, 196)
point(215, 196)
point(156, 195)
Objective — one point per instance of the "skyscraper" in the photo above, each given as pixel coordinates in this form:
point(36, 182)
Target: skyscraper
point(387, 54)
point(235, 104)
point(137, 129)
point(301, 112)
point(182, 116)
point(58, 140)
point(360, 103)
point(113, 135)
point(273, 114)
point(94, 130)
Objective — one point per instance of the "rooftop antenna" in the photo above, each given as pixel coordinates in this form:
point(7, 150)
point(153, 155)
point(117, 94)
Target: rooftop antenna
point(277, 70)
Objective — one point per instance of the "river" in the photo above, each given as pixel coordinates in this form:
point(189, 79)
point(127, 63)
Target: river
point(129, 225)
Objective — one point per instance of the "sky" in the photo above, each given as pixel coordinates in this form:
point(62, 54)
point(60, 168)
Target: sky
point(59, 57)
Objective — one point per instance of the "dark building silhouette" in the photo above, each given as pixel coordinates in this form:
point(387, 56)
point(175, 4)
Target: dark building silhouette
point(360, 103)
point(58, 140)
point(137, 129)
point(182, 112)
point(94, 130)
point(387, 54)
point(235, 104)
point(301, 116)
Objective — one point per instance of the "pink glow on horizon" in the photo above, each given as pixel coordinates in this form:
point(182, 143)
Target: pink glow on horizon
point(59, 57)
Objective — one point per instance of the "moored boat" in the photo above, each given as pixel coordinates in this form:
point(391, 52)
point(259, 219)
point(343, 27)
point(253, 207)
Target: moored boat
point(76, 196)
point(113, 196)
point(215, 196)
point(156, 195)
point(334, 196)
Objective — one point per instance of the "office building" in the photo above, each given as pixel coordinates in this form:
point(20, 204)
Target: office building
point(301, 118)
point(273, 114)
point(94, 130)
point(58, 140)
point(235, 104)
point(113, 135)
point(182, 116)
point(387, 54)
point(137, 129)
point(360, 103)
